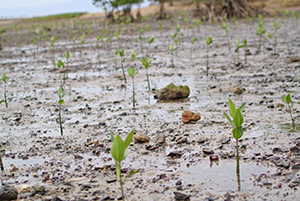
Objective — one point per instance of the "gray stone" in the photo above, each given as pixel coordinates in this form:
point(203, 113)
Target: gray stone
point(8, 193)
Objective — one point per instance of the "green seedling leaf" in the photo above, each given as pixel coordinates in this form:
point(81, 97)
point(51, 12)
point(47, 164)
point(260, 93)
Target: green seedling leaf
point(121, 53)
point(151, 40)
point(245, 42)
point(117, 51)
point(60, 63)
point(129, 137)
point(208, 40)
point(171, 47)
point(134, 172)
point(231, 107)
point(61, 101)
point(99, 37)
point(118, 148)
point(64, 93)
point(283, 98)
point(178, 27)
point(276, 24)
point(2, 101)
point(4, 77)
point(53, 39)
point(67, 55)
point(236, 133)
point(59, 92)
point(224, 25)
point(132, 55)
point(238, 118)
point(242, 107)
point(82, 37)
point(292, 105)
point(288, 98)
point(131, 72)
point(227, 117)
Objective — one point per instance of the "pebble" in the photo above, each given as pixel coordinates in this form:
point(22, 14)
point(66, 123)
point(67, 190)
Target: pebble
point(8, 193)
point(25, 188)
point(181, 196)
point(141, 137)
point(160, 140)
point(188, 116)
point(208, 151)
point(175, 154)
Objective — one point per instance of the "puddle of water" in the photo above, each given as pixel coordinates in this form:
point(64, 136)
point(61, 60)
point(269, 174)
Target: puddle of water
point(223, 176)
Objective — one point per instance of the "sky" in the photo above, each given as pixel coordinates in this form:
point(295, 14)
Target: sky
point(30, 8)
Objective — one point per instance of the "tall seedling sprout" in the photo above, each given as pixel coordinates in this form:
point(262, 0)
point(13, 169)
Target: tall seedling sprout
point(224, 26)
point(245, 45)
point(67, 57)
point(1, 163)
point(131, 73)
point(237, 132)
point(98, 46)
point(119, 152)
point(53, 39)
point(149, 43)
point(288, 100)
point(208, 42)
point(146, 63)
point(276, 28)
point(260, 31)
point(82, 42)
point(193, 46)
point(171, 49)
point(122, 60)
point(239, 45)
point(4, 79)
point(60, 94)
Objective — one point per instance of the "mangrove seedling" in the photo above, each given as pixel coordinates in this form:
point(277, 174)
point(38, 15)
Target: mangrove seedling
point(4, 79)
point(245, 45)
point(208, 42)
point(122, 60)
point(67, 57)
point(288, 100)
point(237, 132)
point(260, 31)
point(53, 39)
point(239, 45)
point(193, 46)
point(146, 63)
point(171, 49)
point(224, 26)
point(60, 94)
point(1, 163)
point(60, 64)
point(98, 46)
point(149, 43)
point(276, 28)
point(119, 152)
point(82, 41)
point(131, 73)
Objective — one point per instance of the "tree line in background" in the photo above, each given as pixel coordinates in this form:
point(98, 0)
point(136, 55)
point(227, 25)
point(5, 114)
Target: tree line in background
point(215, 9)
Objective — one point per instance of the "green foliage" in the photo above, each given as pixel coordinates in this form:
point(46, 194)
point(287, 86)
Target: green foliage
point(145, 62)
point(208, 40)
point(288, 100)
point(131, 72)
point(151, 40)
point(237, 118)
point(67, 55)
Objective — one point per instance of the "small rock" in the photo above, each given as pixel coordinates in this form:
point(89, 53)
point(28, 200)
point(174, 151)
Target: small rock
point(175, 154)
point(111, 181)
point(141, 137)
point(238, 90)
point(295, 149)
point(280, 105)
point(37, 189)
point(294, 59)
point(277, 150)
point(178, 183)
point(171, 92)
point(25, 188)
point(8, 193)
point(188, 116)
point(160, 140)
point(56, 198)
point(208, 151)
point(181, 196)
point(296, 167)
point(78, 157)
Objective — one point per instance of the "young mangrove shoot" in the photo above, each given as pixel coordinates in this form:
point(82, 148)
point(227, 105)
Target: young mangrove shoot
point(208, 42)
point(237, 132)
point(288, 100)
point(171, 49)
point(245, 50)
point(60, 94)
point(193, 46)
point(146, 63)
point(224, 26)
point(239, 45)
point(122, 60)
point(81, 44)
point(53, 39)
point(131, 73)
point(119, 152)
point(275, 42)
point(149, 43)
point(4, 79)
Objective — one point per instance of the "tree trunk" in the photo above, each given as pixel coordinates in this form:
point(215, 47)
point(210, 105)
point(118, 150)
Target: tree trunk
point(161, 10)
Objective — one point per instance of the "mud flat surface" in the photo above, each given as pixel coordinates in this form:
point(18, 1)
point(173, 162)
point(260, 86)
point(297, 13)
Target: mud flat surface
point(78, 165)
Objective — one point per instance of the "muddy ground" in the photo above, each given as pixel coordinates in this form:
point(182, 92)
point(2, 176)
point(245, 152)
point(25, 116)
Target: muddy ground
point(78, 165)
